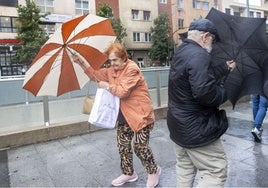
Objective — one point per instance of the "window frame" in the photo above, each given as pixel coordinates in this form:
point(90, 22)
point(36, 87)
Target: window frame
point(146, 15)
point(11, 25)
point(136, 37)
point(46, 6)
point(180, 23)
point(147, 37)
point(205, 5)
point(258, 14)
point(83, 8)
point(135, 14)
point(180, 4)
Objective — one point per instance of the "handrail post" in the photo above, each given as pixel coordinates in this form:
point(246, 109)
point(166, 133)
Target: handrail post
point(46, 110)
point(26, 97)
point(158, 86)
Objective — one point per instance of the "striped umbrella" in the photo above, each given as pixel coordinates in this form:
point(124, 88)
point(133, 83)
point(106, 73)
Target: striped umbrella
point(53, 71)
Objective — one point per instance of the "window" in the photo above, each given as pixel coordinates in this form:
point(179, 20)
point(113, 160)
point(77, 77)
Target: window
point(196, 4)
point(180, 23)
point(8, 24)
point(2, 58)
point(258, 14)
point(146, 15)
point(136, 37)
point(180, 4)
point(236, 13)
point(45, 5)
point(251, 14)
point(148, 37)
point(81, 7)
point(5, 56)
point(228, 11)
point(10, 3)
point(202, 5)
point(5, 24)
point(163, 1)
point(135, 14)
point(48, 28)
point(205, 6)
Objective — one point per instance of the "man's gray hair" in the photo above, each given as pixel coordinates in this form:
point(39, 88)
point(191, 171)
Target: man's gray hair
point(195, 34)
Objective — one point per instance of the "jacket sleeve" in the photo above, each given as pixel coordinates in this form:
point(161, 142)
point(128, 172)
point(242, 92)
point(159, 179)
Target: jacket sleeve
point(221, 72)
point(204, 84)
point(97, 75)
point(130, 78)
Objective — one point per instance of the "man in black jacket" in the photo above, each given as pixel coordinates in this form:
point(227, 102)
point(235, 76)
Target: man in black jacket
point(193, 118)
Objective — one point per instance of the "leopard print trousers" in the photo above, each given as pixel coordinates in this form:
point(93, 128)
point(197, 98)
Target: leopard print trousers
point(141, 148)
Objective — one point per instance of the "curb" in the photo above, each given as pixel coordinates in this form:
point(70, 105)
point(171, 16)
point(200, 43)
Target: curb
point(46, 133)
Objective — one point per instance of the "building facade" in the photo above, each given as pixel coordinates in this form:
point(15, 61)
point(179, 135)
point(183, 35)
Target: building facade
point(137, 17)
point(184, 12)
point(59, 13)
point(246, 8)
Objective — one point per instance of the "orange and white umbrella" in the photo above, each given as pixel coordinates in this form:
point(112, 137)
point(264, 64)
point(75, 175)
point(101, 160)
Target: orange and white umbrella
point(53, 71)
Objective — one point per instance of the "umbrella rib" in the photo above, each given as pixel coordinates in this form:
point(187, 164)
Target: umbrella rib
point(225, 51)
point(243, 45)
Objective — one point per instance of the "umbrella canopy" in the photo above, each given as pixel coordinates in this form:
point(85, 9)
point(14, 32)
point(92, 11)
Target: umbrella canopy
point(53, 71)
point(243, 40)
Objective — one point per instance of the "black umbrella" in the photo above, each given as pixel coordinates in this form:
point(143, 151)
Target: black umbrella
point(243, 40)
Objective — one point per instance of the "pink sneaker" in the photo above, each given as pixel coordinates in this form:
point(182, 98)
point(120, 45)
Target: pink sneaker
point(124, 179)
point(153, 179)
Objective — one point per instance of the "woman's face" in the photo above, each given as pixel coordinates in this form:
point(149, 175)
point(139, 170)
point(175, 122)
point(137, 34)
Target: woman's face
point(116, 62)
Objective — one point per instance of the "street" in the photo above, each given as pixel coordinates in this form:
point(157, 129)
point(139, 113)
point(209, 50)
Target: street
point(91, 160)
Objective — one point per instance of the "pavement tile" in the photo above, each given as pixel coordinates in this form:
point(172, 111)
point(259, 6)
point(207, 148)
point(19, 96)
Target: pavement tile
point(91, 160)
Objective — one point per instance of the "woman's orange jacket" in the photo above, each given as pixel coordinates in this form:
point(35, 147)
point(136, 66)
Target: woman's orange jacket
point(130, 86)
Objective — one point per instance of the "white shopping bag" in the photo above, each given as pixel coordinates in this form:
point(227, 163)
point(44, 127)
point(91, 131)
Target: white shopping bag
point(105, 109)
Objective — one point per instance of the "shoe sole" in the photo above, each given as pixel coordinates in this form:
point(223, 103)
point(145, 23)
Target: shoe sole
point(159, 173)
point(257, 139)
point(131, 180)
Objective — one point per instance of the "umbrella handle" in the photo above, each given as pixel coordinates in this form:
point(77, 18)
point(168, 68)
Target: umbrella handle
point(223, 79)
point(77, 60)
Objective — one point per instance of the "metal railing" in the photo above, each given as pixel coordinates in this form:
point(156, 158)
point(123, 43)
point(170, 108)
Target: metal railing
point(20, 109)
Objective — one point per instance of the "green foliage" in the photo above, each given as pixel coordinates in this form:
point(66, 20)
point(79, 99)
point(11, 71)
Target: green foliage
point(162, 43)
point(106, 11)
point(119, 29)
point(29, 32)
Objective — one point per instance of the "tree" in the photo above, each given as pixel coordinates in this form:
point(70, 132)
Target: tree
point(29, 32)
point(106, 11)
point(162, 43)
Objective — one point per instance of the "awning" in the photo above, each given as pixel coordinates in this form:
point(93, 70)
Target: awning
point(10, 41)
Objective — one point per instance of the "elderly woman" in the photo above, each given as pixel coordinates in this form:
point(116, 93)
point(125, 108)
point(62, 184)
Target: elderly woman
point(136, 116)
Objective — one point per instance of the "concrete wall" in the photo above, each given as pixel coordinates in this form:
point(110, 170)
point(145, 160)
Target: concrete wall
point(41, 133)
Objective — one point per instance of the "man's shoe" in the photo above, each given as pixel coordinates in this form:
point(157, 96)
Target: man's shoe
point(124, 179)
point(257, 134)
point(153, 179)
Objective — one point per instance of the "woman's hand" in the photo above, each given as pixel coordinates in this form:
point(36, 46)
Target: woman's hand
point(79, 61)
point(104, 85)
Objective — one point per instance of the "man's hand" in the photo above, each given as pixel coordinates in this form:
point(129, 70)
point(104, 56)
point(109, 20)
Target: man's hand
point(231, 65)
